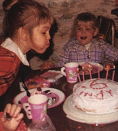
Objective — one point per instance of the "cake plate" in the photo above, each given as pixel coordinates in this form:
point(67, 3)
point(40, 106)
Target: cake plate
point(81, 116)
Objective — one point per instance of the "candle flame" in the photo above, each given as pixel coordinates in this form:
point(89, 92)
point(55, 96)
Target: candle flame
point(107, 68)
point(77, 69)
point(82, 67)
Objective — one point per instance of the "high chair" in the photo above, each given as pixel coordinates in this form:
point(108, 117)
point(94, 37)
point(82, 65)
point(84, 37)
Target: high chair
point(107, 29)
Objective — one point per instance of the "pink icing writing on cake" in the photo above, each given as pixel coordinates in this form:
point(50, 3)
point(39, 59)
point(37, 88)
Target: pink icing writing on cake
point(97, 96)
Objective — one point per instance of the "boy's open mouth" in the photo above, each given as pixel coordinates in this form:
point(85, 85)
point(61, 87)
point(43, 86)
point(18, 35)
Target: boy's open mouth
point(84, 37)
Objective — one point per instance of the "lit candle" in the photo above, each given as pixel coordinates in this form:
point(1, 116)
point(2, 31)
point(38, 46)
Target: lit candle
point(107, 71)
point(90, 71)
point(113, 73)
point(83, 72)
point(98, 71)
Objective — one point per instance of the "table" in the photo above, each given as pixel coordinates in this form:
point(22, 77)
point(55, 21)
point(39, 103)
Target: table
point(56, 114)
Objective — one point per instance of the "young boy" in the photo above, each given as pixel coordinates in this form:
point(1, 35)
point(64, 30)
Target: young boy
point(84, 44)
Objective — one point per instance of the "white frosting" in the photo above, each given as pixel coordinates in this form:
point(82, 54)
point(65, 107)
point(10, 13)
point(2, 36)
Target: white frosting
point(97, 96)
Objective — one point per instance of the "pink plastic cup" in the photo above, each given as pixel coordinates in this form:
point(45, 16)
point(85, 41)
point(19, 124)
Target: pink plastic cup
point(70, 70)
point(36, 106)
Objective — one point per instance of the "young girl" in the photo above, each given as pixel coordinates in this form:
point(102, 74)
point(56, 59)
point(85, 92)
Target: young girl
point(26, 26)
point(84, 44)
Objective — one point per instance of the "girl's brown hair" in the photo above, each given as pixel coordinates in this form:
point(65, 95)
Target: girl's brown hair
point(84, 17)
point(27, 14)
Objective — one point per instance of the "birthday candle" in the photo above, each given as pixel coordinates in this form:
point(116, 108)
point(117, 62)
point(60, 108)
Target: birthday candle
point(113, 73)
point(90, 71)
point(83, 72)
point(107, 71)
point(79, 78)
point(98, 71)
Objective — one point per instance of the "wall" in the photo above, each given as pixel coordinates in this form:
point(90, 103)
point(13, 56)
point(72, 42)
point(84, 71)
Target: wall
point(65, 11)
point(1, 15)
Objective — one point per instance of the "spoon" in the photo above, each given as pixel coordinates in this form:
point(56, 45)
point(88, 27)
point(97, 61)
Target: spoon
point(27, 92)
point(7, 116)
point(24, 86)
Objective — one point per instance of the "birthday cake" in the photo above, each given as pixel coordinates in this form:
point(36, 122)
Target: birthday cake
point(96, 96)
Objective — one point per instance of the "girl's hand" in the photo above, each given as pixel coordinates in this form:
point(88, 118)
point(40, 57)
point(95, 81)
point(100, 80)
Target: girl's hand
point(16, 117)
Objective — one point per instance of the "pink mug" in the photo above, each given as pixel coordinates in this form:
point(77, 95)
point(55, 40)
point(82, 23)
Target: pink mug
point(70, 70)
point(36, 106)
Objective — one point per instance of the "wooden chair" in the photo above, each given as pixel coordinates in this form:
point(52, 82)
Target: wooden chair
point(107, 28)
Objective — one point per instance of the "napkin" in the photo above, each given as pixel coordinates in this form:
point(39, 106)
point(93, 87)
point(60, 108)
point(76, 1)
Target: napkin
point(52, 75)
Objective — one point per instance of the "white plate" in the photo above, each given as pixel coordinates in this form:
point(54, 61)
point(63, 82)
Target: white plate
point(80, 116)
point(60, 97)
point(94, 64)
